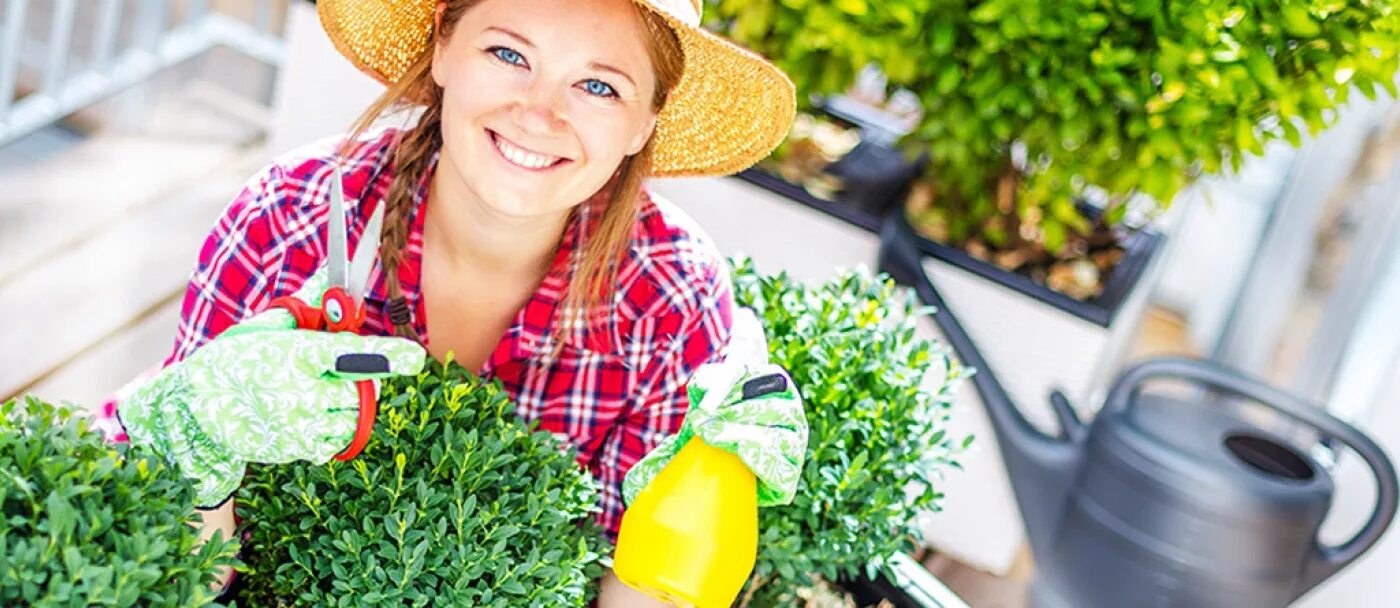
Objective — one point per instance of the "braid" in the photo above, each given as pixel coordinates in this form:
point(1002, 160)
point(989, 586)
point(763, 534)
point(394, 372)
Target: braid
point(411, 158)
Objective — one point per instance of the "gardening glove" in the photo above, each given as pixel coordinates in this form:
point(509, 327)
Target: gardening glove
point(743, 405)
point(262, 391)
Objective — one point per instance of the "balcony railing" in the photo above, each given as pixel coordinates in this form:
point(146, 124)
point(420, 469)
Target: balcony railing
point(91, 49)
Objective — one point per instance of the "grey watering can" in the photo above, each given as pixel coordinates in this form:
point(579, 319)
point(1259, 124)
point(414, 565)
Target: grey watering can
point(1164, 501)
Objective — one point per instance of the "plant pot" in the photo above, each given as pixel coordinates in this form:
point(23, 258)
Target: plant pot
point(1039, 340)
point(1139, 249)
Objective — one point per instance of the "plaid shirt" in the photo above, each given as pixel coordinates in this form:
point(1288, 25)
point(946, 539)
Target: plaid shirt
point(613, 396)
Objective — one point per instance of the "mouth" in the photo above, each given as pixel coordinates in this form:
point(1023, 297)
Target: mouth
point(523, 157)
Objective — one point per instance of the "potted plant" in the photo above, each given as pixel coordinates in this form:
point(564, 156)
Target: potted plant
point(877, 401)
point(454, 501)
point(1053, 134)
point(86, 523)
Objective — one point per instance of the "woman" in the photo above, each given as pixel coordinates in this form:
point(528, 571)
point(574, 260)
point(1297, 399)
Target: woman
point(517, 234)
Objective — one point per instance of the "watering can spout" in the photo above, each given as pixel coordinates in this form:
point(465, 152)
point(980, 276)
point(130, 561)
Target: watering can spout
point(1042, 468)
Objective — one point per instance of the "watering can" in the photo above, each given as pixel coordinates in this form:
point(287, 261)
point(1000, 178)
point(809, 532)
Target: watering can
point(1167, 501)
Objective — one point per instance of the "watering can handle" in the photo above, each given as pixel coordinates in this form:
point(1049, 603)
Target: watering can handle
point(1326, 560)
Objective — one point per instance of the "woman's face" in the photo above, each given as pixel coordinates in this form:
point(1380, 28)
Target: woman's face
point(542, 99)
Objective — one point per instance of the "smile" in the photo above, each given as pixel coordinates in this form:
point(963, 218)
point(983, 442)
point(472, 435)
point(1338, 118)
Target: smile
point(523, 157)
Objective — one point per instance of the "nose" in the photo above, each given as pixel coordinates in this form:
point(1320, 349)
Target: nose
point(540, 111)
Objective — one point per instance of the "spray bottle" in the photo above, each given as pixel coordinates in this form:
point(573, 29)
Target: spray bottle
point(690, 537)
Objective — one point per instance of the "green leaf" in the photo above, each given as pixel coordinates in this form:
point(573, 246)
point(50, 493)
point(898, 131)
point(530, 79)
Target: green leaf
point(1297, 21)
point(857, 8)
point(1291, 133)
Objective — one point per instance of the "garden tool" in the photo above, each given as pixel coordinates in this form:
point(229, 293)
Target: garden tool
point(1163, 500)
point(294, 382)
point(690, 533)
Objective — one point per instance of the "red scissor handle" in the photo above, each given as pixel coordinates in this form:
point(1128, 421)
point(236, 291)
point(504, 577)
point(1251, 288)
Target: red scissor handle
point(369, 409)
point(306, 315)
point(342, 312)
point(339, 312)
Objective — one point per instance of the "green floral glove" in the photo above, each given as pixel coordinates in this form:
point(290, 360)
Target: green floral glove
point(262, 391)
point(745, 406)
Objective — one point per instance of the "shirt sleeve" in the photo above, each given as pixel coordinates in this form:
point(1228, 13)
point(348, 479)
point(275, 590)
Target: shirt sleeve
point(231, 276)
point(690, 339)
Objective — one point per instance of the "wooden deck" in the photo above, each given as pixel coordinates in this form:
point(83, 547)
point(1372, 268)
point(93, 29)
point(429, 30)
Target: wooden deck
point(98, 239)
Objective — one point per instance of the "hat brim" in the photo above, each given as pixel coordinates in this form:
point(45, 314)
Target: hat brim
point(730, 109)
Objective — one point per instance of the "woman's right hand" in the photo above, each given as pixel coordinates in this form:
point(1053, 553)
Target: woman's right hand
point(262, 391)
point(271, 397)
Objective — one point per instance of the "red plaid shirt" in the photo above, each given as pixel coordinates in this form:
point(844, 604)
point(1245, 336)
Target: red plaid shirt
point(613, 397)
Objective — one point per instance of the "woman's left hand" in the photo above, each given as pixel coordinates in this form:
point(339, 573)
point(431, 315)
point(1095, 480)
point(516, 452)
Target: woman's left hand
point(613, 593)
point(744, 405)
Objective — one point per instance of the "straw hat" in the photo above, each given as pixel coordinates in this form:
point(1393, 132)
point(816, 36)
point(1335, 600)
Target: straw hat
point(730, 109)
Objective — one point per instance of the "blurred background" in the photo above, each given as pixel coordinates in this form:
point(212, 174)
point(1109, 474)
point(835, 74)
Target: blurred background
point(126, 126)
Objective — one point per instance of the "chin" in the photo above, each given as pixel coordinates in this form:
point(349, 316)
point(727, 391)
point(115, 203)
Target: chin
point(514, 204)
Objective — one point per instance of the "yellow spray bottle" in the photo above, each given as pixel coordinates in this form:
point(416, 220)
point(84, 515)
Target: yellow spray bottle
point(690, 537)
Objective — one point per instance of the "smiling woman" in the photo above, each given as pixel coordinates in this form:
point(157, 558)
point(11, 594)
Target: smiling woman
point(517, 233)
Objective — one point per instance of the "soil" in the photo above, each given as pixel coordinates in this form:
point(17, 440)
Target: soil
point(1080, 271)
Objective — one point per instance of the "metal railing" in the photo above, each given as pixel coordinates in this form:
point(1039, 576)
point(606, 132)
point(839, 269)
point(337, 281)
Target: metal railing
point(47, 73)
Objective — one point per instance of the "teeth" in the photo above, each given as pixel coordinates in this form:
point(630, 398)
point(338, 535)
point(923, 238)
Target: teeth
point(524, 158)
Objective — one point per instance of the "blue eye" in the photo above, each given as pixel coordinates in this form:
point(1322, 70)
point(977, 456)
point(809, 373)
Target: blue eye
point(507, 55)
point(599, 88)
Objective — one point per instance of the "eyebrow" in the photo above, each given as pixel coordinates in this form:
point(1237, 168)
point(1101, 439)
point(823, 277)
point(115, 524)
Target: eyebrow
point(592, 64)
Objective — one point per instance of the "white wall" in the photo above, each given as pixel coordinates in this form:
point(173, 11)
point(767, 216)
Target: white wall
point(319, 93)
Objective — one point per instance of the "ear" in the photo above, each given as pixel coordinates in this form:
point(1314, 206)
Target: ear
point(439, 43)
point(640, 140)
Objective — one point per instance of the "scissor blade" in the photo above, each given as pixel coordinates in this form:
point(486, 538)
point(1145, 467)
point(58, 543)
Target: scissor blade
point(366, 252)
point(336, 249)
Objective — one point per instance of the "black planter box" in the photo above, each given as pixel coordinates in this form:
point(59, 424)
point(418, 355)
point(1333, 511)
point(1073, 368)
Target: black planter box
point(846, 213)
point(1139, 247)
point(879, 208)
point(897, 237)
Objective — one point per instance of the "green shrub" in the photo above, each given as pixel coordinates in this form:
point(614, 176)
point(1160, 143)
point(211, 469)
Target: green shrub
point(454, 502)
point(877, 426)
point(84, 523)
point(1128, 95)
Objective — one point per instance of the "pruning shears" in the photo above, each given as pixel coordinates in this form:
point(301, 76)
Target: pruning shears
point(342, 307)
point(342, 303)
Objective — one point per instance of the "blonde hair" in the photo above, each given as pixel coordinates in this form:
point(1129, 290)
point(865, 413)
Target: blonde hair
point(595, 271)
